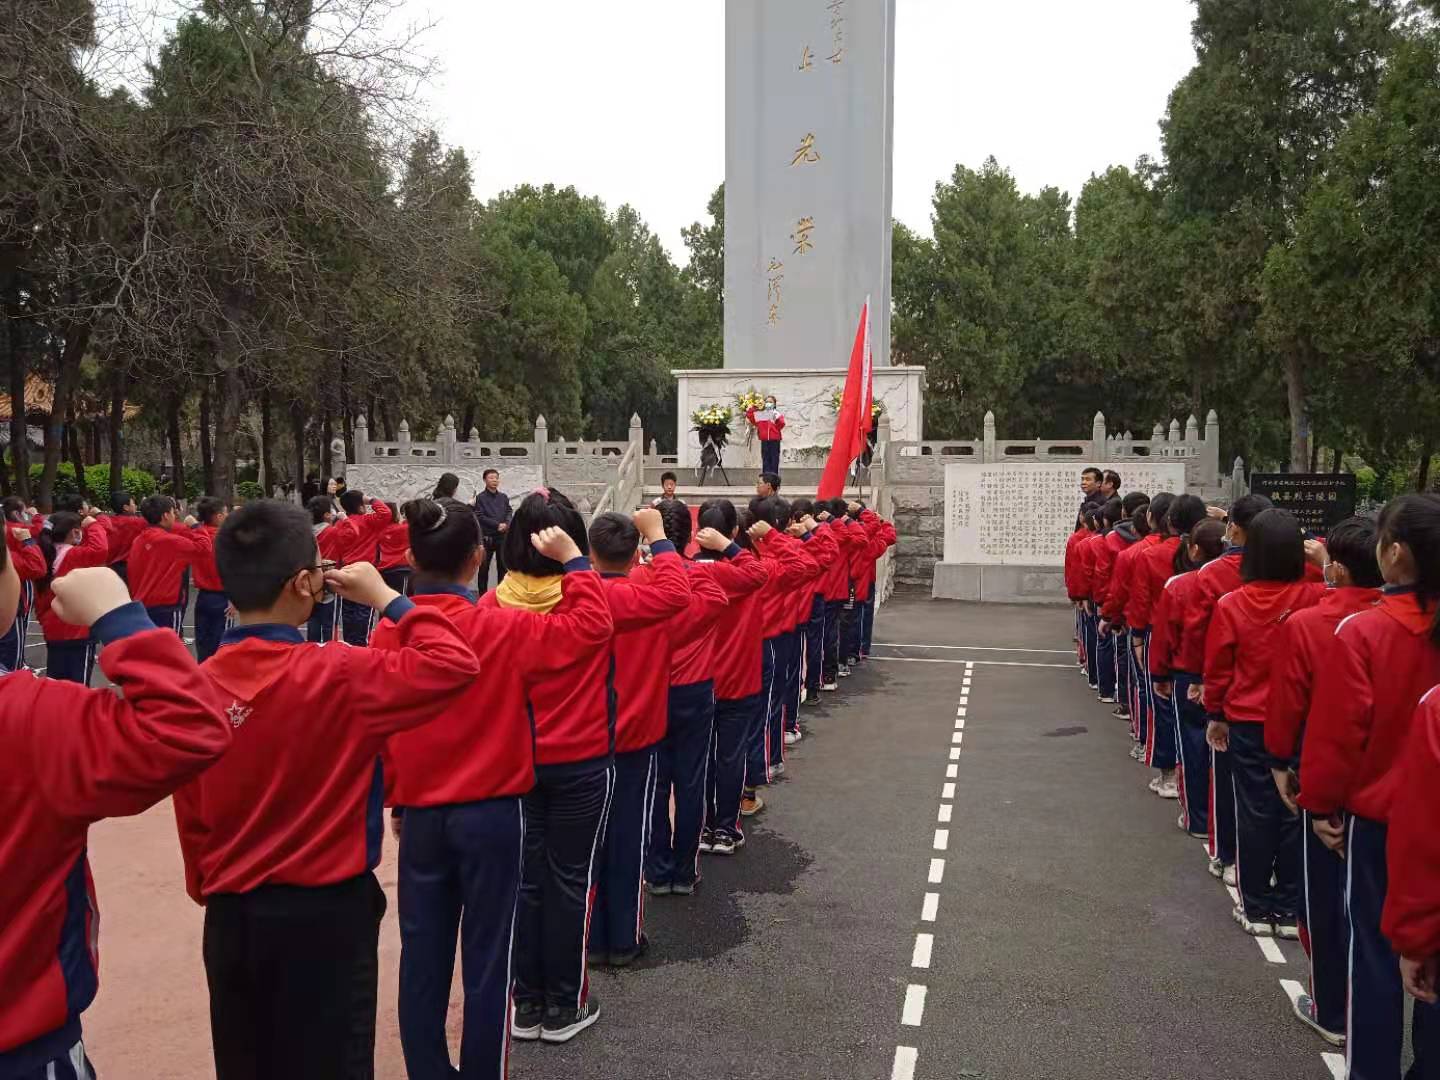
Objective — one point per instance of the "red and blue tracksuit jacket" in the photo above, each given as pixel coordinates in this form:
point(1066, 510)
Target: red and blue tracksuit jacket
point(1412, 897)
point(482, 745)
point(73, 756)
point(299, 797)
point(158, 560)
point(642, 606)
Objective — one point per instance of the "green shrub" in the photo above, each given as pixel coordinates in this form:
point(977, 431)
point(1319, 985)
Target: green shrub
point(249, 489)
point(97, 478)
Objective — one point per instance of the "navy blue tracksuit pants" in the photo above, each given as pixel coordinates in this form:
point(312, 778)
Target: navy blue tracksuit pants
point(1267, 834)
point(619, 918)
point(565, 814)
point(775, 721)
point(814, 632)
point(169, 617)
point(1375, 1035)
point(760, 753)
point(1124, 670)
point(793, 646)
point(770, 456)
point(1105, 664)
point(211, 618)
point(1222, 806)
point(850, 627)
point(729, 750)
point(1194, 754)
point(459, 873)
point(1326, 935)
point(1162, 739)
point(831, 660)
point(72, 661)
point(355, 622)
point(323, 622)
point(867, 624)
point(1091, 629)
point(683, 759)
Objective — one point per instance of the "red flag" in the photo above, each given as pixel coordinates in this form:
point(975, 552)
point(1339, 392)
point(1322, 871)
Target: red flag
point(853, 422)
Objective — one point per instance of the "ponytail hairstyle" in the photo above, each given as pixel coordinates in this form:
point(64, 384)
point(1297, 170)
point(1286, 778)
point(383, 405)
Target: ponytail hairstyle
point(543, 508)
point(1186, 512)
point(743, 520)
point(444, 536)
point(1133, 503)
point(1209, 537)
point(1275, 548)
point(720, 515)
point(774, 511)
point(446, 488)
point(1141, 522)
point(675, 516)
point(1110, 514)
point(801, 508)
point(1159, 512)
point(57, 528)
point(1414, 521)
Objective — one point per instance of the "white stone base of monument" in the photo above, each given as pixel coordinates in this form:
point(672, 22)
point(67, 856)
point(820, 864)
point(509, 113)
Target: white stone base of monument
point(805, 396)
point(999, 584)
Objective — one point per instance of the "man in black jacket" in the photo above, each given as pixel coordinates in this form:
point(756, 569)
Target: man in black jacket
point(492, 508)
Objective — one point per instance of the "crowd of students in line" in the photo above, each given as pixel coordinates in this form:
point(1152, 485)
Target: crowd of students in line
point(529, 740)
point(1280, 688)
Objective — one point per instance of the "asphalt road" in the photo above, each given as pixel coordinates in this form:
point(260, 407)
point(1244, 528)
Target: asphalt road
point(1073, 930)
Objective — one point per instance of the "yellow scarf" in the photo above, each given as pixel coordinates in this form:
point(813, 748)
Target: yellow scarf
point(528, 592)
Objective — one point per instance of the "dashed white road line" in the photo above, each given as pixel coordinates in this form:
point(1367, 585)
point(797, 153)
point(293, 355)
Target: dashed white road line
point(924, 945)
point(1271, 950)
point(945, 811)
point(931, 907)
point(971, 648)
point(1335, 1063)
point(937, 871)
point(942, 839)
point(904, 1067)
point(977, 663)
point(948, 791)
point(914, 1011)
point(952, 770)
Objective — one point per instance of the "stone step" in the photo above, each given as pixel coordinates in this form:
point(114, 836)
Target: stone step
point(798, 476)
point(736, 493)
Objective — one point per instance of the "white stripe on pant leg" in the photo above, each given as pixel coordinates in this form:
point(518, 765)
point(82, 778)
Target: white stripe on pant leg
point(1350, 957)
point(1185, 794)
point(704, 783)
point(652, 781)
point(510, 949)
point(769, 703)
point(590, 882)
point(77, 1062)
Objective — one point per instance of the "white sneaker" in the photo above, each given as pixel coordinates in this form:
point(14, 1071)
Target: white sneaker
point(1216, 868)
point(1136, 752)
point(1304, 1007)
point(804, 693)
point(1155, 785)
point(1254, 929)
point(830, 686)
point(1230, 878)
point(791, 738)
point(1287, 930)
point(1168, 789)
point(1108, 699)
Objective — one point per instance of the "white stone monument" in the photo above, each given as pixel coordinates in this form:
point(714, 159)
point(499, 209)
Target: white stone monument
point(809, 95)
point(1006, 525)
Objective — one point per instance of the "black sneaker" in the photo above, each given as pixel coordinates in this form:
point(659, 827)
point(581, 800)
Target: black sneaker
point(629, 956)
point(525, 1021)
point(722, 844)
point(562, 1025)
point(707, 839)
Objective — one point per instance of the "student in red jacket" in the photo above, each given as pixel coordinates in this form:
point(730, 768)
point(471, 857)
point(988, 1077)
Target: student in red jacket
point(75, 756)
point(738, 671)
point(1078, 584)
point(394, 561)
point(1218, 578)
point(124, 525)
point(212, 606)
point(1134, 534)
point(565, 812)
point(29, 562)
point(159, 560)
point(1411, 919)
point(1175, 660)
point(641, 606)
point(1240, 652)
point(361, 530)
point(1306, 644)
point(1120, 535)
point(1100, 555)
point(1384, 659)
point(882, 538)
point(282, 836)
point(460, 780)
point(1072, 545)
point(68, 543)
point(769, 425)
point(324, 622)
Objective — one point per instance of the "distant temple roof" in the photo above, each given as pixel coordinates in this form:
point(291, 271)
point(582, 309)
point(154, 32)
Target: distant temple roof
point(40, 398)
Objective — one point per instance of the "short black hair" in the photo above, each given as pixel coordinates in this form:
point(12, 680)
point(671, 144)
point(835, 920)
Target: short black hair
point(837, 506)
point(352, 501)
point(448, 484)
point(773, 479)
point(1112, 478)
point(1111, 512)
point(1352, 545)
point(1414, 520)
point(675, 516)
point(1186, 512)
point(539, 510)
point(1274, 548)
point(669, 476)
point(13, 506)
point(489, 472)
point(772, 510)
point(801, 508)
point(1094, 472)
point(614, 539)
point(720, 515)
point(443, 534)
point(119, 500)
point(69, 503)
point(1134, 502)
point(207, 507)
point(259, 549)
point(156, 507)
point(1247, 508)
point(319, 506)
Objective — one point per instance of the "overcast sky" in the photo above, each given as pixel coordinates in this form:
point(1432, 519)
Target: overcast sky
point(625, 99)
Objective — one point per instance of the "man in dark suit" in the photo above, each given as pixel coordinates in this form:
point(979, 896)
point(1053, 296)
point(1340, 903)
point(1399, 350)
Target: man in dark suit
point(492, 509)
